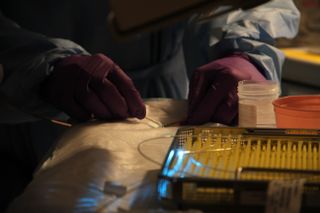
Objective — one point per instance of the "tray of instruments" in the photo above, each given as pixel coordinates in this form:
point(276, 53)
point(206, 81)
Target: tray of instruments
point(227, 167)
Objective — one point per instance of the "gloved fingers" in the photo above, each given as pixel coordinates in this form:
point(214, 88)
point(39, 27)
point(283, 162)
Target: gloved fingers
point(86, 98)
point(113, 92)
point(126, 87)
point(74, 110)
point(71, 60)
point(61, 97)
point(204, 111)
point(93, 105)
point(111, 97)
point(192, 91)
point(227, 111)
point(200, 83)
point(100, 66)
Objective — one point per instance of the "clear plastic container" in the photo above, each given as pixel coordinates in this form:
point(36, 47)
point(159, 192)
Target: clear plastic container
point(255, 103)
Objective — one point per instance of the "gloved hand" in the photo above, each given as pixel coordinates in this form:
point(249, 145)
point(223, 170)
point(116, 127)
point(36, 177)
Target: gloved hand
point(213, 89)
point(86, 86)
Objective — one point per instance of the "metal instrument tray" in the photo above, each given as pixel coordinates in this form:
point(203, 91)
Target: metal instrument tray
point(226, 168)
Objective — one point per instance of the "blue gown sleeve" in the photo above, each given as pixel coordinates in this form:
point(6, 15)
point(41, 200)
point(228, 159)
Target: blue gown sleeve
point(26, 58)
point(254, 32)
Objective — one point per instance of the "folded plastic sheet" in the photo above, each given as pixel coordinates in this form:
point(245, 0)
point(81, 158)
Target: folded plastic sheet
point(105, 167)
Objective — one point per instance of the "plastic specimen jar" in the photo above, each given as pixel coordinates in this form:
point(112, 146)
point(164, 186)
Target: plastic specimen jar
point(255, 103)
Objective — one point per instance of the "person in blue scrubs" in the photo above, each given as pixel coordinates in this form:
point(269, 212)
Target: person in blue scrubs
point(60, 57)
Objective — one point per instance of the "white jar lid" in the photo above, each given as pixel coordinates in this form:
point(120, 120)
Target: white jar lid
point(249, 87)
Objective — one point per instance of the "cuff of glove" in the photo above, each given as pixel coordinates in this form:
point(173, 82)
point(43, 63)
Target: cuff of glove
point(241, 55)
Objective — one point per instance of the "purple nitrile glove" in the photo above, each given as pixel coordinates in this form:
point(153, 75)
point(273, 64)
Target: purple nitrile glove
point(85, 86)
point(213, 89)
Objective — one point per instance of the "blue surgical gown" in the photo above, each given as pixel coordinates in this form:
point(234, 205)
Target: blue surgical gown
point(35, 33)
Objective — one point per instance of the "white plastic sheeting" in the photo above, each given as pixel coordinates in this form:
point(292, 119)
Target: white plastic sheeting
point(125, 157)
